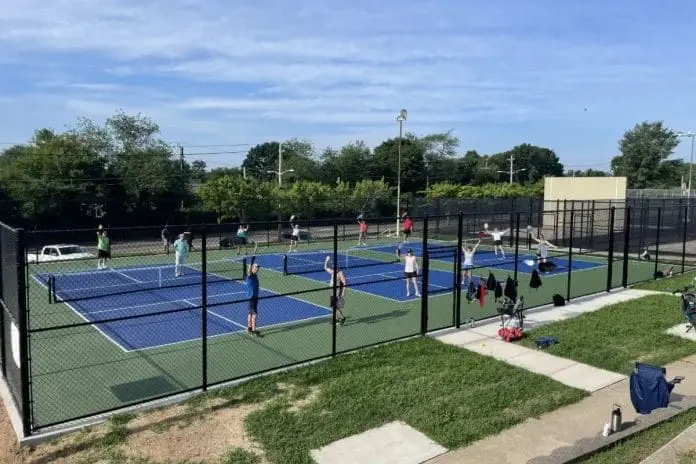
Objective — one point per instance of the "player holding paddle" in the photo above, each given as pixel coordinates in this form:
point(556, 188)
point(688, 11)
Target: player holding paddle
point(497, 239)
point(468, 264)
point(252, 293)
point(295, 236)
point(340, 292)
point(410, 270)
point(543, 251)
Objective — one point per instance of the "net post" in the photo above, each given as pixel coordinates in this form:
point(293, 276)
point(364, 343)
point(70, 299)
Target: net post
point(425, 279)
point(517, 244)
point(684, 231)
point(244, 268)
point(610, 259)
point(457, 317)
point(657, 240)
point(204, 308)
point(334, 285)
point(570, 252)
point(50, 289)
point(512, 226)
point(626, 250)
point(285, 264)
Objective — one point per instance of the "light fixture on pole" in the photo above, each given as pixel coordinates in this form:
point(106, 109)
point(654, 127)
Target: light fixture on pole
point(690, 135)
point(512, 172)
point(401, 118)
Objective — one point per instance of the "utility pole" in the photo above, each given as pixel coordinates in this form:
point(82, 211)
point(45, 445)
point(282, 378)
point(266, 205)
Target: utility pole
point(181, 168)
point(512, 171)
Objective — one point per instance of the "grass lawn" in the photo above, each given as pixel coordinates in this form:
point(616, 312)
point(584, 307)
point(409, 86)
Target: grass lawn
point(638, 447)
point(450, 394)
point(617, 336)
point(668, 285)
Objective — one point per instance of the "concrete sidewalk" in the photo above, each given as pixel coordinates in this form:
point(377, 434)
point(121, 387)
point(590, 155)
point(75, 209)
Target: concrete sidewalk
point(484, 340)
point(571, 431)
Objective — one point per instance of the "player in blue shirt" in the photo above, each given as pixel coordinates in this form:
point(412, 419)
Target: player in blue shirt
point(252, 291)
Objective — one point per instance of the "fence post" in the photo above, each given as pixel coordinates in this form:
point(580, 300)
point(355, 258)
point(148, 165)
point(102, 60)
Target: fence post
point(570, 253)
point(626, 247)
point(334, 282)
point(457, 317)
point(555, 222)
point(204, 307)
point(23, 329)
point(657, 240)
point(3, 357)
point(425, 284)
point(684, 233)
point(565, 220)
point(517, 244)
point(512, 228)
point(610, 258)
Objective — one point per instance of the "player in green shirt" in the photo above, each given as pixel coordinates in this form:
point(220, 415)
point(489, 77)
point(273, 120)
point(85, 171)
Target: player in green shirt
point(181, 250)
point(102, 248)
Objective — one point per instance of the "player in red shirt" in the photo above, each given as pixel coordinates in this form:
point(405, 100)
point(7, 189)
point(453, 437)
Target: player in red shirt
point(408, 228)
point(362, 232)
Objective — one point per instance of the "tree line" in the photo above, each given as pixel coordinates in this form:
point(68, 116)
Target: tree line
point(123, 173)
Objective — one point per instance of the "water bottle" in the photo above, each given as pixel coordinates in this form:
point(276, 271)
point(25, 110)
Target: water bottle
point(471, 322)
point(616, 419)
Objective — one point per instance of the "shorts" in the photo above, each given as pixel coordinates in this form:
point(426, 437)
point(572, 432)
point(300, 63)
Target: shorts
point(103, 254)
point(165, 242)
point(241, 240)
point(340, 302)
point(410, 275)
point(179, 259)
point(254, 306)
point(295, 238)
point(467, 267)
point(407, 232)
point(498, 243)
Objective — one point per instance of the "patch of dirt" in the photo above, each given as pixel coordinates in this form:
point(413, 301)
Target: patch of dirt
point(200, 431)
point(9, 447)
point(179, 434)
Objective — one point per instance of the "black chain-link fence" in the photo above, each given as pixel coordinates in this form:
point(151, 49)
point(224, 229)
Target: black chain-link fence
point(121, 316)
point(13, 320)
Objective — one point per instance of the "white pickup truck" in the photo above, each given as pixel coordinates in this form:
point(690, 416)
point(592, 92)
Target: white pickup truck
point(51, 253)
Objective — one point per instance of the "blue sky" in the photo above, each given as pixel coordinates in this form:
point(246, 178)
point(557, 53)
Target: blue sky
point(571, 75)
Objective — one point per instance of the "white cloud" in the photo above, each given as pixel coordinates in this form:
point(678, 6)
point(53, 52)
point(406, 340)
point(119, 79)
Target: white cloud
point(323, 70)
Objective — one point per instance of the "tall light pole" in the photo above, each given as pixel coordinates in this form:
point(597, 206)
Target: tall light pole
point(401, 118)
point(691, 135)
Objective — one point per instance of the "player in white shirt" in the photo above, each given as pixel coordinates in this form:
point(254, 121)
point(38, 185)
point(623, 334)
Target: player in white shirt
point(498, 240)
point(468, 263)
point(542, 250)
point(410, 271)
point(295, 237)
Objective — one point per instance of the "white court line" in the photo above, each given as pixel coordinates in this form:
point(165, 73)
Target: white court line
point(122, 308)
point(81, 316)
point(281, 324)
point(215, 314)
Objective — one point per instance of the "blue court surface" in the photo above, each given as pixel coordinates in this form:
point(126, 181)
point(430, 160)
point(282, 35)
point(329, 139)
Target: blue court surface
point(382, 275)
point(488, 259)
point(111, 293)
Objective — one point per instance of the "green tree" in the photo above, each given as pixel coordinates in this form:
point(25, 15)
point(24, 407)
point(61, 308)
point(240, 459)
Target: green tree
point(52, 175)
point(369, 196)
point(538, 162)
point(587, 173)
point(413, 176)
point(644, 152)
point(233, 197)
point(352, 163)
point(439, 153)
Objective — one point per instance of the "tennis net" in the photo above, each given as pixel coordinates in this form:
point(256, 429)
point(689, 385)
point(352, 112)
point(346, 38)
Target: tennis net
point(82, 285)
point(309, 262)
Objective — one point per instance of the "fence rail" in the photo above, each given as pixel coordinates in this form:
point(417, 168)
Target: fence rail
point(85, 334)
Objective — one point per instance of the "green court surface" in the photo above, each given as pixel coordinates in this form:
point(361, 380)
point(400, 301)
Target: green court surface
point(78, 371)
